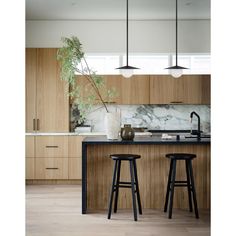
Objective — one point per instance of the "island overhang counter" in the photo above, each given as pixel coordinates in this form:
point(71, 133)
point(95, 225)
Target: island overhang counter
point(152, 170)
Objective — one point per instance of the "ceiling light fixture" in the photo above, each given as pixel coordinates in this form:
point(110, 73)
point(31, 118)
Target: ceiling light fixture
point(176, 71)
point(127, 71)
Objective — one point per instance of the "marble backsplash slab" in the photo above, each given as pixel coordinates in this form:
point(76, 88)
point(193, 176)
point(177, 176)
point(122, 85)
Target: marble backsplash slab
point(164, 117)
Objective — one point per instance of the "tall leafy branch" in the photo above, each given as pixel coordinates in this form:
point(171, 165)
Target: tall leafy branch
point(73, 62)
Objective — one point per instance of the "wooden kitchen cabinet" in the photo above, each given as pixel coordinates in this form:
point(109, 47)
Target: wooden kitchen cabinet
point(197, 89)
point(46, 157)
point(47, 104)
point(51, 168)
point(75, 157)
point(165, 90)
point(75, 168)
point(158, 89)
point(30, 146)
point(30, 88)
point(51, 160)
point(188, 89)
point(30, 157)
point(53, 157)
point(52, 146)
point(130, 91)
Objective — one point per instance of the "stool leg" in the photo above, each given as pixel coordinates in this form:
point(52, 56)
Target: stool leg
point(172, 186)
point(117, 186)
point(112, 190)
point(189, 188)
point(193, 188)
point(137, 188)
point(168, 186)
point(133, 190)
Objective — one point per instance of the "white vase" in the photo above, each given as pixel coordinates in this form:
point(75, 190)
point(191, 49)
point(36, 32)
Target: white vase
point(112, 125)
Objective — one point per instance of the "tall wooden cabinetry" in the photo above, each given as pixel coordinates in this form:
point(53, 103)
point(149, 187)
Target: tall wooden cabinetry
point(30, 89)
point(47, 104)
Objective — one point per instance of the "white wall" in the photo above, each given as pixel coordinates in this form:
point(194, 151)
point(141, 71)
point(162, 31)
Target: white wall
point(109, 36)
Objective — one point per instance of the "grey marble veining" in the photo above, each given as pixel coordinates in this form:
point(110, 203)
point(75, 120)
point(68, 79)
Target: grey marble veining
point(164, 117)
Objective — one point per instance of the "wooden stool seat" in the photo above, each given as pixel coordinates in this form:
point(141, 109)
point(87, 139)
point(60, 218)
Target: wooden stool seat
point(124, 157)
point(181, 156)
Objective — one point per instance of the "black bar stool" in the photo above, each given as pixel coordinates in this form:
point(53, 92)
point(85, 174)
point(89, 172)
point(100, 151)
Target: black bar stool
point(116, 183)
point(189, 183)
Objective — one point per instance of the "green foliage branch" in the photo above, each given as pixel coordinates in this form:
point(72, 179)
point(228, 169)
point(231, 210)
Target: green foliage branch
point(72, 62)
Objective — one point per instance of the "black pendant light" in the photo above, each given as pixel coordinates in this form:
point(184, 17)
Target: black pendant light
point(127, 71)
point(176, 71)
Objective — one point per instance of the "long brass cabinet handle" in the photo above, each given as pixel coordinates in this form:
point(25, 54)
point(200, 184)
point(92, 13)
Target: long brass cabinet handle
point(51, 168)
point(51, 146)
point(38, 127)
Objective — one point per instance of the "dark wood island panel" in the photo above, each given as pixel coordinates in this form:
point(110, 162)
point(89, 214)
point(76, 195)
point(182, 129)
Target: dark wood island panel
point(152, 169)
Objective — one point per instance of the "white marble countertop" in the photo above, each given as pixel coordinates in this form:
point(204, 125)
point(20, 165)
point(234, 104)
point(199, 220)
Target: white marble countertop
point(82, 134)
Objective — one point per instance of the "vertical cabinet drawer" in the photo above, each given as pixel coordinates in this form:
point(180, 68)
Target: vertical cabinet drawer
point(51, 168)
point(52, 146)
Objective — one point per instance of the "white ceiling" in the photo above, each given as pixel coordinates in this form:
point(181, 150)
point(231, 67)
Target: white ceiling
point(115, 9)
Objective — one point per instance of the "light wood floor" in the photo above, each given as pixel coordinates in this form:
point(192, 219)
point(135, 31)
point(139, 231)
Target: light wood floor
point(55, 210)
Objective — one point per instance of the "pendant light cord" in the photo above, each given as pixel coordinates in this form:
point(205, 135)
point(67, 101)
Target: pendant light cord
point(176, 33)
point(127, 30)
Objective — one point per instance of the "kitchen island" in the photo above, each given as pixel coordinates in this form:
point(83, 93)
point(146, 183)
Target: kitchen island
point(152, 170)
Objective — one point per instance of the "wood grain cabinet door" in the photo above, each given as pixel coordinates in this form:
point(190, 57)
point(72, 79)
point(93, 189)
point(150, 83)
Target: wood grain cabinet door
point(188, 89)
point(52, 100)
point(166, 90)
point(197, 89)
point(30, 88)
point(134, 90)
point(75, 157)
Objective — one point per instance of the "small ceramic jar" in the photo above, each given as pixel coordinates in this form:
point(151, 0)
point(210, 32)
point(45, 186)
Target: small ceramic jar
point(127, 133)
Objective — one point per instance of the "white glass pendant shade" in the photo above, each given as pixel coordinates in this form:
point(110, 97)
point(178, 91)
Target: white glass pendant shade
point(176, 73)
point(127, 73)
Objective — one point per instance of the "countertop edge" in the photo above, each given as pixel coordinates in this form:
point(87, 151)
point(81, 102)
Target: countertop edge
point(142, 140)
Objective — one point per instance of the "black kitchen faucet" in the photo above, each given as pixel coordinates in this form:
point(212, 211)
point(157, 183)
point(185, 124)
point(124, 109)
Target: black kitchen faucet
point(198, 130)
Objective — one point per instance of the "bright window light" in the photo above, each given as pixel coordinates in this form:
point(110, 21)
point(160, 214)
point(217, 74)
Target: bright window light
point(149, 64)
point(197, 64)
